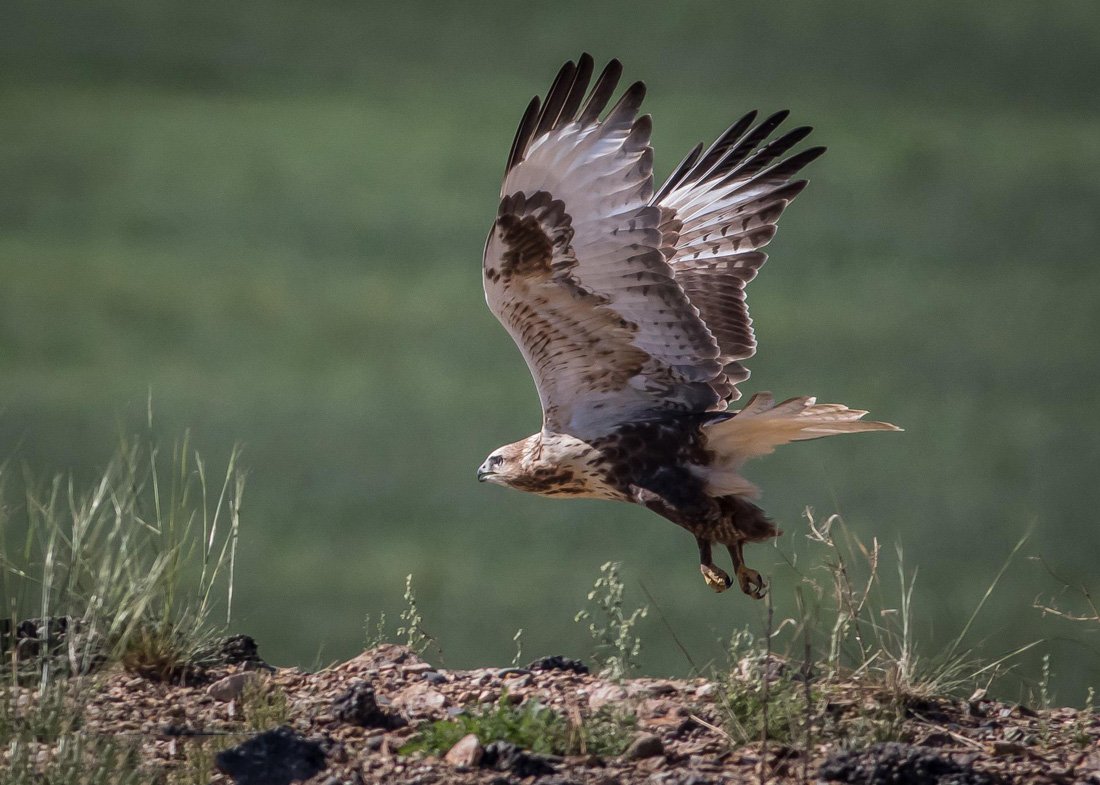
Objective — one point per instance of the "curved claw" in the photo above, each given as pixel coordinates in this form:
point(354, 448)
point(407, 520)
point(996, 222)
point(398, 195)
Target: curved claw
point(715, 578)
point(751, 582)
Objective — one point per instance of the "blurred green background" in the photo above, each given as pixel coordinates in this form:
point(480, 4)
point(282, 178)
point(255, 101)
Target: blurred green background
point(271, 215)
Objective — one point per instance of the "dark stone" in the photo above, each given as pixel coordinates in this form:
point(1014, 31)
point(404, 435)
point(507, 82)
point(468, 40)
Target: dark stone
point(276, 757)
point(240, 650)
point(930, 711)
point(63, 639)
point(558, 663)
point(358, 706)
point(645, 745)
point(505, 756)
point(893, 763)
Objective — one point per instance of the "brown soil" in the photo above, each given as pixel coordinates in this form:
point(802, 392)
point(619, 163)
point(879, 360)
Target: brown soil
point(976, 741)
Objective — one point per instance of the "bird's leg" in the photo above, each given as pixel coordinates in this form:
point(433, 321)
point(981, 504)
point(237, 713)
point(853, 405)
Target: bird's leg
point(715, 577)
point(751, 582)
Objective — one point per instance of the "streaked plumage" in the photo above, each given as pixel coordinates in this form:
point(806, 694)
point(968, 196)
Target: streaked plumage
point(628, 305)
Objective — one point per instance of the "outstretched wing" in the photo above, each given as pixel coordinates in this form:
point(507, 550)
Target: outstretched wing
point(574, 267)
point(719, 208)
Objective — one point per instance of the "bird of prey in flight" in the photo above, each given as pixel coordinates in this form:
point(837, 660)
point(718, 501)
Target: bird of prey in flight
point(628, 303)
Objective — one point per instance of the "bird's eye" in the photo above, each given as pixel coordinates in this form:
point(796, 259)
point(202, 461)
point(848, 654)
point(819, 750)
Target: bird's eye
point(496, 461)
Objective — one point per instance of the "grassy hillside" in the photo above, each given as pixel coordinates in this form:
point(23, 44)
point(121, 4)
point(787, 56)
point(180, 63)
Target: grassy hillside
point(270, 217)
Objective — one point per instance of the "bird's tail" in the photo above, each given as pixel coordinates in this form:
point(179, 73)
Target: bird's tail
point(763, 425)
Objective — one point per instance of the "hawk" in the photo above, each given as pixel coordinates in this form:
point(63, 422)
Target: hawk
point(628, 304)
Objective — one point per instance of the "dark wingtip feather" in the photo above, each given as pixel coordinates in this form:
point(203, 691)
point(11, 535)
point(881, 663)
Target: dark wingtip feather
point(721, 146)
point(577, 90)
point(604, 88)
point(679, 172)
point(799, 160)
point(639, 135)
point(737, 153)
point(785, 168)
point(791, 190)
point(523, 133)
point(629, 103)
point(770, 152)
point(556, 97)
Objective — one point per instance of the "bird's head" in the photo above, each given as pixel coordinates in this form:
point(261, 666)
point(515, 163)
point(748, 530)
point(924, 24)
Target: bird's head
point(506, 464)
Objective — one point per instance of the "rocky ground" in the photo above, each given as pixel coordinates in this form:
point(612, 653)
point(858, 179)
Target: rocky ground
point(348, 723)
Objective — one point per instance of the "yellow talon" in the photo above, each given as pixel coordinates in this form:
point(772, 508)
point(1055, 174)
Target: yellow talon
point(715, 578)
point(751, 582)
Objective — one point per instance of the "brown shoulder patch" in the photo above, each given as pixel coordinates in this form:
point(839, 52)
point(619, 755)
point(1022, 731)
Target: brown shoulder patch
point(533, 228)
point(528, 248)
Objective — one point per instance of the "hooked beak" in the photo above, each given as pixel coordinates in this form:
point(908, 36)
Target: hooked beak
point(483, 474)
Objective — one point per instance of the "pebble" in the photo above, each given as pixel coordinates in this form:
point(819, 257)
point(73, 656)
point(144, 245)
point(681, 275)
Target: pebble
point(708, 690)
point(434, 677)
point(466, 753)
point(416, 667)
point(609, 693)
point(231, 687)
point(645, 745)
point(421, 699)
point(653, 707)
point(517, 683)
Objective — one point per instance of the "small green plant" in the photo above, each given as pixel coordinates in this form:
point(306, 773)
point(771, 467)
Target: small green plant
point(607, 732)
point(376, 633)
point(1084, 717)
point(617, 642)
point(411, 621)
point(264, 706)
point(532, 726)
point(759, 695)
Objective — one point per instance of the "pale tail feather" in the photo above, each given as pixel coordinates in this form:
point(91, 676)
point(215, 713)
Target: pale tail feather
point(762, 425)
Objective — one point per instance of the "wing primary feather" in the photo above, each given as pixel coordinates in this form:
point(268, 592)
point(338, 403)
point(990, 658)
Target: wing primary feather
point(555, 98)
point(639, 134)
point(722, 144)
point(745, 146)
point(577, 90)
point(784, 169)
point(679, 172)
point(523, 134)
point(628, 105)
point(605, 86)
point(763, 157)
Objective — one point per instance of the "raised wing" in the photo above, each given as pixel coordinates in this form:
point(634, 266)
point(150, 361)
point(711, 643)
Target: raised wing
point(719, 208)
point(574, 267)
